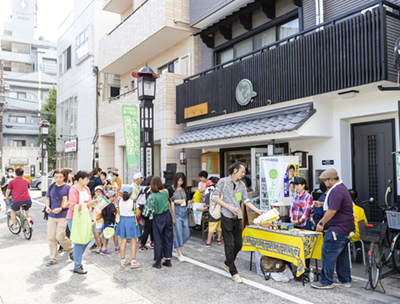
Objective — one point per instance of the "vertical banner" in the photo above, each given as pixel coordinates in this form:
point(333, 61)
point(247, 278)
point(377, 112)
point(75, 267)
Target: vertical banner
point(132, 138)
point(272, 181)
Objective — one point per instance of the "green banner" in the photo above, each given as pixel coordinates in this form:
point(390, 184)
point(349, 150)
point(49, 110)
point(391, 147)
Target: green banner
point(132, 138)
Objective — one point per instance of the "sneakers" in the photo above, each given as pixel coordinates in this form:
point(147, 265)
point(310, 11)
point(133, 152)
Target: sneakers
point(135, 264)
point(174, 254)
point(237, 278)
point(94, 246)
point(152, 245)
point(80, 270)
point(105, 252)
point(207, 245)
point(117, 249)
point(338, 283)
point(142, 248)
point(319, 285)
point(97, 250)
point(124, 263)
point(157, 264)
point(219, 242)
point(226, 268)
point(167, 263)
point(51, 263)
point(181, 258)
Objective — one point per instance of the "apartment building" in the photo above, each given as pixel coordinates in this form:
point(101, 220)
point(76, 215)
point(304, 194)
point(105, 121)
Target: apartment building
point(156, 32)
point(30, 71)
point(78, 89)
point(297, 77)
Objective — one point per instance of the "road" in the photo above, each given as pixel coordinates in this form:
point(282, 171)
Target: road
point(26, 279)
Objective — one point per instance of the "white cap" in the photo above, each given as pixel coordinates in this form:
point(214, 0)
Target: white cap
point(138, 175)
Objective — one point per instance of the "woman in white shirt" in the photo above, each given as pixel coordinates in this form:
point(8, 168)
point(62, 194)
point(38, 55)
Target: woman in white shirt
point(128, 228)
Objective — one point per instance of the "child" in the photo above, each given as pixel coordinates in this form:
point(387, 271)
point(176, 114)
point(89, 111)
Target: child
point(98, 224)
point(214, 225)
point(108, 215)
point(128, 228)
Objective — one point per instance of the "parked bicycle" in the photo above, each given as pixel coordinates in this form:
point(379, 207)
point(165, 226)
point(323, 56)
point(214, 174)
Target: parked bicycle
point(22, 222)
point(385, 242)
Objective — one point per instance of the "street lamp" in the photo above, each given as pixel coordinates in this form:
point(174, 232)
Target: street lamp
point(146, 88)
point(183, 159)
point(44, 131)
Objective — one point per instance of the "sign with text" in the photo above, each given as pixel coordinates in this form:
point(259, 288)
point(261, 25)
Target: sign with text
point(197, 110)
point(70, 145)
point(131, 131)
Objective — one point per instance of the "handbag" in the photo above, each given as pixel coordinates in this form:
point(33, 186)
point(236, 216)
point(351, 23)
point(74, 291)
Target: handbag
point(192, 221)
point(215, 209)
point(81, 230)
point(45, 214)
point(269, 265)
point(171, 207)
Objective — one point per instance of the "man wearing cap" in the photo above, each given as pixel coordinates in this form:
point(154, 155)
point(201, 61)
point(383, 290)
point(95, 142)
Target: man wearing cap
point(339, 215)
point(137, 180)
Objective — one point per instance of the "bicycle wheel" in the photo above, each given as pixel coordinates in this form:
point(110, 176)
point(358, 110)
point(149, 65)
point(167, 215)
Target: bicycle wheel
point(27, 230)
point(17, 224)
point(386, 248)
point(374, 265)
point(396, 255)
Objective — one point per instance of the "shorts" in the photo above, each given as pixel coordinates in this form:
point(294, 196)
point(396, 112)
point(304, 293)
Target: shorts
point(128, 228)
point(16, 206)
point(214, 226)
point(97, 227)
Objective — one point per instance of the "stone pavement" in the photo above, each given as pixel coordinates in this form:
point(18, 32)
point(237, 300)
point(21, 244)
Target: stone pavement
point(25, 278)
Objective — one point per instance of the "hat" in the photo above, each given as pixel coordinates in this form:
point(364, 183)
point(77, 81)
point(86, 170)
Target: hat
point(138, 175)
point(113, 170)
point(329, 173)
point(98, 188)
point(110, 193)
point(127, 188)
point(209, 183)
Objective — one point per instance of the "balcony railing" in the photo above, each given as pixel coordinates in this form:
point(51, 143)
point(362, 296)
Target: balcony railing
point(347, 51)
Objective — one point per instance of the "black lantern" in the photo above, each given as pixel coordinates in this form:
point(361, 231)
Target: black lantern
point(146, 88)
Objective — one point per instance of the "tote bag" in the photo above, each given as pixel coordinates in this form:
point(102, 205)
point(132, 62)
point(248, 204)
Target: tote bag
point(81, 230)
point(215, 209)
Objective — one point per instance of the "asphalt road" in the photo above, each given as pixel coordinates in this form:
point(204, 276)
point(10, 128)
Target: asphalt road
point(25, 278)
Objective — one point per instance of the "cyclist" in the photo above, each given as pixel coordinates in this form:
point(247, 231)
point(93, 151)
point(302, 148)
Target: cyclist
point(19, 187)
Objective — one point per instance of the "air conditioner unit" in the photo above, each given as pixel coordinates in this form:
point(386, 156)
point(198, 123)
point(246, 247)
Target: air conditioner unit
point(116, 77)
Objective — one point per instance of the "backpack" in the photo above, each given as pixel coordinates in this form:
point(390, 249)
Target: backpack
point(91, 184)
point(269, 265)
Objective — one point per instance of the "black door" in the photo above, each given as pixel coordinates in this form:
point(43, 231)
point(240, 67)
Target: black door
point(373, 170)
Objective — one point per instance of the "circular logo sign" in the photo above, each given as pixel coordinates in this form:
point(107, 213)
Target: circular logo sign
point(273, 173)
point(244, 92)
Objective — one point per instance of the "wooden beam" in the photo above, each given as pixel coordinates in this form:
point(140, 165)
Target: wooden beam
point(298, 3)
point(208, 40)
point(268, 8)
point(226, 31)
point(247, 21)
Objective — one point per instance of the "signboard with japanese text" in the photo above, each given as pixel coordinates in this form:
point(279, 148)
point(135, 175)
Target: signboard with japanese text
point(132, 136)
point(71, 145)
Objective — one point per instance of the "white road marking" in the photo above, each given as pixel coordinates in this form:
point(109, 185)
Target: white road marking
point(37, 202)
point(251, 283)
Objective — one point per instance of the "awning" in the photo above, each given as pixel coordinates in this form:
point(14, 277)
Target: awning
point(269, 122)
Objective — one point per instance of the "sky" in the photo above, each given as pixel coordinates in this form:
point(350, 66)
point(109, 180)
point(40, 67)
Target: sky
point(51, 13)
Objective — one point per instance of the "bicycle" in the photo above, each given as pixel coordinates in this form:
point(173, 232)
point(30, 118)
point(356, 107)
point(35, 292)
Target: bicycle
point(385, 243)
point(21, 223)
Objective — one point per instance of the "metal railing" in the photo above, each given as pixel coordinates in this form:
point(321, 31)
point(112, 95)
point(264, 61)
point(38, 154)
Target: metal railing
point(127, 17)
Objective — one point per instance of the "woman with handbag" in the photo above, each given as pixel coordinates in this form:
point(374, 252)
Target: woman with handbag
point(157, 208)
point(179, 196)
point(79, 222)
point(229, 194)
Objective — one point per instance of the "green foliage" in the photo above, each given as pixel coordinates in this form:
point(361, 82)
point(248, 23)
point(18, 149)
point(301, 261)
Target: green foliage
point(49, 114)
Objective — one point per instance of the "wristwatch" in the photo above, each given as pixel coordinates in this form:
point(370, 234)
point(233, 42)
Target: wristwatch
point(321, 223)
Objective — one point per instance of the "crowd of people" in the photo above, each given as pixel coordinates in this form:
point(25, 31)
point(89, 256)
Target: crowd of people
point(161, 215)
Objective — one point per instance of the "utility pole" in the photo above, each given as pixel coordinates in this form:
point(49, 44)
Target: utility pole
point(2, 102)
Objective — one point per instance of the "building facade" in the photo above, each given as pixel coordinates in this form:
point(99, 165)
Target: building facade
point(77, 92)
point(156, 32)
point(29, 71)
point(297, 77)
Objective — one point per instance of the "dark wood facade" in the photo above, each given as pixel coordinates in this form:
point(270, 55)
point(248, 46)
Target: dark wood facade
point(347, 52)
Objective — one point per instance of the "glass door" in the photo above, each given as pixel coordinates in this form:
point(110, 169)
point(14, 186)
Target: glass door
point(256, 153)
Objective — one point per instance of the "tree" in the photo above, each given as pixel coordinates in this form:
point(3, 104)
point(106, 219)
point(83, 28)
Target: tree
point(49, 114)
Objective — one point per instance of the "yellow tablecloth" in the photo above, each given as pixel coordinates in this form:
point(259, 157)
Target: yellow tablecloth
point(292, 246)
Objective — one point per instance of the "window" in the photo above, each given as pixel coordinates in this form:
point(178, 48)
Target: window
point(114, 91)
point(21, 67)
point(20, 48)
point(21, 95)
point(66, 113)
point(132, 84)
point(82, 45)
point(168, 68)
point(258, 41)
point(17, 119)
point(64, 61)
point(16, 143)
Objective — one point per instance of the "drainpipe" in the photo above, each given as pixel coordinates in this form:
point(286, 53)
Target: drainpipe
point(96, 133)
point(317, 2)
point(321, 11)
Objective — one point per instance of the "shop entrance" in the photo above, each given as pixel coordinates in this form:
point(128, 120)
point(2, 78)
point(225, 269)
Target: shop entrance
point(373, 170)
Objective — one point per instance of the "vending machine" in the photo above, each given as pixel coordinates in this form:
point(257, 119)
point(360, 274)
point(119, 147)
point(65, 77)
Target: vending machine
point(277, 174)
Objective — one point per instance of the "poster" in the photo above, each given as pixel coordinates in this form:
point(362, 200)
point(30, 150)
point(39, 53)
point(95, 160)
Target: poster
point(292, 171)
point(197, 216)
point(274, 179)
point(132, 139)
